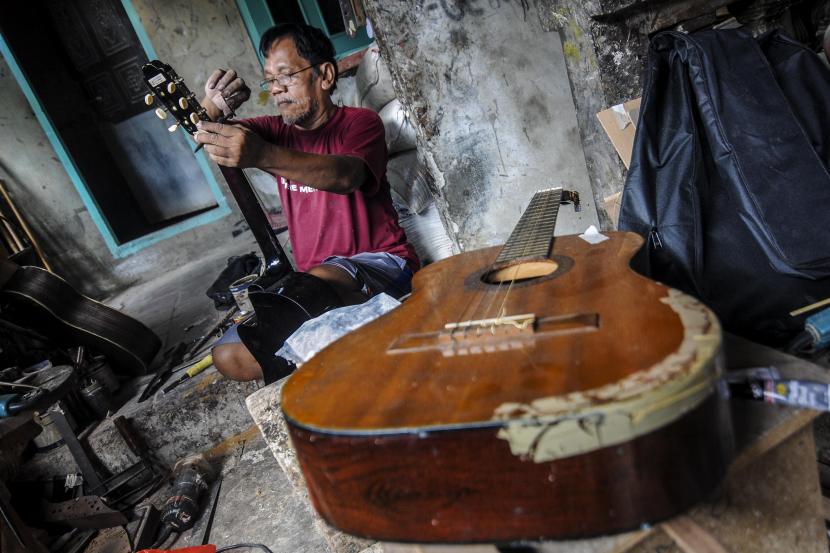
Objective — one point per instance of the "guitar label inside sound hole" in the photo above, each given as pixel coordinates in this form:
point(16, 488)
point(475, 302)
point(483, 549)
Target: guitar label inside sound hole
point(529, 272)
point(522, 270)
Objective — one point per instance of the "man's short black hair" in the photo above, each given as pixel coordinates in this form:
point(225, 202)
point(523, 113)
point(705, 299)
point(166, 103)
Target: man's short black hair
point(311, 43)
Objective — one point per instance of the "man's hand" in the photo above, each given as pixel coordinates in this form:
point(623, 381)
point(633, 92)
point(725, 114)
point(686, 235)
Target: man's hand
point(232, 145)
point(225, 91)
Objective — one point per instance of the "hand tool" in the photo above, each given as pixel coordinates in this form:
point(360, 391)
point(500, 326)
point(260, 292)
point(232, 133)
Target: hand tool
point(194, 369)
point(181, 510)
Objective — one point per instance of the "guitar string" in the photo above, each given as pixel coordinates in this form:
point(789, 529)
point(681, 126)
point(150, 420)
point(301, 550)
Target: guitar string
point(534, 211)
point(527, 215)
point(472, 309)
point(531, 213)
point(555, 200)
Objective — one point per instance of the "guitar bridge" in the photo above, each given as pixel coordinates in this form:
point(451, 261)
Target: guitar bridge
point(493, 335)
point(520, 322)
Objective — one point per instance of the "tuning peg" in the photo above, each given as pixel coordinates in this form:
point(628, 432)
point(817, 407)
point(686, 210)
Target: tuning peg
point(161, 114)
point(173, 127)
point(171, 88)
point(182, 103)
point(194, 118)
point(148, 99)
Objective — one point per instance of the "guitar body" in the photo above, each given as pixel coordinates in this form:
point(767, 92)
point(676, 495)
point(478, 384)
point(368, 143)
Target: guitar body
point(297, 298)
point(47, 303)
point(598, 416)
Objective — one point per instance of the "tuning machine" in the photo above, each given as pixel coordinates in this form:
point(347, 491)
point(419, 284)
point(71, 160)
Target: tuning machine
point(161, 113)
point(148, 99)
point(173, 127)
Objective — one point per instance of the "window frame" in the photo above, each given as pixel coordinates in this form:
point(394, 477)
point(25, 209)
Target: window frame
point(258, 18)
point(123, 249)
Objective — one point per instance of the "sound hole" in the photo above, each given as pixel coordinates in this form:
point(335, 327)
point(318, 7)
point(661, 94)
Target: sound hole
point(523, 270)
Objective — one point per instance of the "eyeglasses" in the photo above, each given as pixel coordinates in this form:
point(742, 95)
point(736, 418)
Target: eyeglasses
point(285, 79)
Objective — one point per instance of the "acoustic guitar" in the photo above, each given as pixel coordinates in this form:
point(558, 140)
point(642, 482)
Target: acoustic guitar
point(542, 390)
point(41, 300)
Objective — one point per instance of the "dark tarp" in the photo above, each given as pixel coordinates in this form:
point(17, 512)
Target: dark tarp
point(729, 179)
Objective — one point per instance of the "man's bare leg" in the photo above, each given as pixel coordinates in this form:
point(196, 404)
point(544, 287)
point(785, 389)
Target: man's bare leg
point(236, 362)
point(343, 283)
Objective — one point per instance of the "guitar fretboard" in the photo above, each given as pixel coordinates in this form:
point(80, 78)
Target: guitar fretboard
point(533, 233)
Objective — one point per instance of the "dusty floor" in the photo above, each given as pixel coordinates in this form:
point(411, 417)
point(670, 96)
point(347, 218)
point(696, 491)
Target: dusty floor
point(256, 502)
point(174, 304)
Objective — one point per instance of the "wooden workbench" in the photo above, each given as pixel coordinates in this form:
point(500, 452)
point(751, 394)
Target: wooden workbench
point(770, 500)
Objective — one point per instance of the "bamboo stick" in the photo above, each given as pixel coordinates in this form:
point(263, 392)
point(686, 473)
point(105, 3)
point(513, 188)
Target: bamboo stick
point(25, 227)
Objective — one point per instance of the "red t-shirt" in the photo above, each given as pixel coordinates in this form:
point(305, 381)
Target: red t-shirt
point(321, 224)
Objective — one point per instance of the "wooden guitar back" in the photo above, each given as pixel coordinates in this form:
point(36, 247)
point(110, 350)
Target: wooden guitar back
point(52, 306)
point(597, 417)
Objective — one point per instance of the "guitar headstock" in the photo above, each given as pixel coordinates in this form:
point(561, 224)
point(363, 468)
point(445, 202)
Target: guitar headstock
point(174, 96)
point(571, 197)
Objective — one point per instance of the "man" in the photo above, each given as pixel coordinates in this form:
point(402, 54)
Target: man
point(330, 166)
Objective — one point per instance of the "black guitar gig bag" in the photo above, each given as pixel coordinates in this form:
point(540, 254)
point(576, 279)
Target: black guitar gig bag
point(729, 176)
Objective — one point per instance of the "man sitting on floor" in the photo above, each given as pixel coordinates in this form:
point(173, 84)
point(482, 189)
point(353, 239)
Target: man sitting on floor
point(329, 163)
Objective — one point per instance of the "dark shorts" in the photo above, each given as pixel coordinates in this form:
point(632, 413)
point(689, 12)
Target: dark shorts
point(378, 272)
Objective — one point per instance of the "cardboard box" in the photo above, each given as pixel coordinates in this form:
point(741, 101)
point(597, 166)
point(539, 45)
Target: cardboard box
point(620, 124)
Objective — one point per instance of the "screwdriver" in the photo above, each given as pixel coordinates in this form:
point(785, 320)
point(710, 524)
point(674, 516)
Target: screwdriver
point(194, 369)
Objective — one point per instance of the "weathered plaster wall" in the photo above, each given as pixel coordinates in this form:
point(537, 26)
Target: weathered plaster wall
point(572, 20)
point(195, 37)
point(495, 118)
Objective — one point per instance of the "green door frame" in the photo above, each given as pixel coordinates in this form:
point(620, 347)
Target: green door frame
point(258, 19)
point(127, 248)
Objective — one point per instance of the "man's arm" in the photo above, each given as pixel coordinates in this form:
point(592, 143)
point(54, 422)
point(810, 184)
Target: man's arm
point(238, 146)
point(332, 173)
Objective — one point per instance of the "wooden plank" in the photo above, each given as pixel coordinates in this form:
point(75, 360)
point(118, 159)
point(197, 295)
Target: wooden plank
point(760, 427)
point(690, 537)
point(771, 439)
point(773, 504)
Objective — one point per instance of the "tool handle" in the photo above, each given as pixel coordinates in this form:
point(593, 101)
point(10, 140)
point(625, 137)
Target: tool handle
point(206, 362)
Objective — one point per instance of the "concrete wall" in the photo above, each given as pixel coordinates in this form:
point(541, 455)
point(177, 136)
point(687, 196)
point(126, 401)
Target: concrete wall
point(572, 19)
point(194, 41)
point(488, 85)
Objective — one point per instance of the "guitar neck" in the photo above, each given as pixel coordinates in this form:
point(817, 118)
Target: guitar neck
point(276, 261)
point(533, 233)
